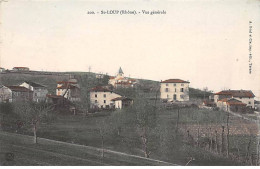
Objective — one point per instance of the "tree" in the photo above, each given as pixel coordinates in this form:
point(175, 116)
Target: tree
point(136, 123)
point(32, 114)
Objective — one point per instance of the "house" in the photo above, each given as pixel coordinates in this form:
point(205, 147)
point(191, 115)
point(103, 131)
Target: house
point(122, 102)
point(101, 97)
point(15, 93)
point(175, 90)
point(69, 90)
point(121, 81)
point(39, 91)
point(231, 104)
point(2, 69)
point(245, 96)
point(21, 69)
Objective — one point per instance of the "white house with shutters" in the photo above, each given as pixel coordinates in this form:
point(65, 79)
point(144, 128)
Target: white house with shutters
point(175, 90)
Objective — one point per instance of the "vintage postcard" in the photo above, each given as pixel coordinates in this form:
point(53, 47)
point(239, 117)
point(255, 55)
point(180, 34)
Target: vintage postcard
point(129, 83)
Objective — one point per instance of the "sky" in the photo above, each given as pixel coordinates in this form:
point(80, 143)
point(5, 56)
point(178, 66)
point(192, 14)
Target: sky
point(205, 42)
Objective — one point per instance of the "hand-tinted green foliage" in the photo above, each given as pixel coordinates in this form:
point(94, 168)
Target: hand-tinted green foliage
point(198, 94)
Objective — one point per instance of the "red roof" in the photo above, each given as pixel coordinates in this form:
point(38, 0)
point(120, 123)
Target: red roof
point(123, 83)
point(111, 77)
point(174, 81)
point(20, 68)
point(235, 102)
point(232, 102)
point(100, 89)
point(19, 89)
point(236, 93)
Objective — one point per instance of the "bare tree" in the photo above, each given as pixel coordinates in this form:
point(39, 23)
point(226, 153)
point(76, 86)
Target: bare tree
point(32, 114)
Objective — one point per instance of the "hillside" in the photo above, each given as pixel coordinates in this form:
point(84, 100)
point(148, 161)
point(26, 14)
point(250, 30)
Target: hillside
point(50, 79)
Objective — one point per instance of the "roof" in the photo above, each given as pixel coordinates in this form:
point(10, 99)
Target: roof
point(66, 86)
point(20, 67)
point(233, 102)
point(237, 93)
point(19, 89)
point(100, 89)
point(120, 70)
point(174, 81)
point(112, 77)
point(121, 98)
point(34, 84)
point(123, 83)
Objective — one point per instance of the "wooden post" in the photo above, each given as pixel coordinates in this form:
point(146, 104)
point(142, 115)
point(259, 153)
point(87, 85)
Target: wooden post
point(198, 136)
point(35, 133)
point(222, 140)
point(177, 124)
point(216, 138)
point(228, 134)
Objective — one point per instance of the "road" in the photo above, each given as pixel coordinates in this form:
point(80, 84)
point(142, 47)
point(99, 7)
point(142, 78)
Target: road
point(55, 153)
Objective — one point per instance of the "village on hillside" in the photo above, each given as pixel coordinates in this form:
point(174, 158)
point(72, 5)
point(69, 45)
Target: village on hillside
point(172, 91)
point(209, 122)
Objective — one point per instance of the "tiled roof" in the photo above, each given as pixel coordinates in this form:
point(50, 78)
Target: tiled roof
point(237, 93)
point(174, 81)
point(232, 101)
point(19, 89)
point(34, 84)
point(100, 89)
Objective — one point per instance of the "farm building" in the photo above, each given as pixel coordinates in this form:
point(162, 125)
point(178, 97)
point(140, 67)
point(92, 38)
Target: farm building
point(69, 90)
point(245, 96)
point(122, 102)
point(21, 69)
point(39, 91)
point(15, 93)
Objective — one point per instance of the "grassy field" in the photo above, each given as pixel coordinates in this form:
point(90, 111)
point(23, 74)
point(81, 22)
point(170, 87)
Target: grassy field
point(85, 130)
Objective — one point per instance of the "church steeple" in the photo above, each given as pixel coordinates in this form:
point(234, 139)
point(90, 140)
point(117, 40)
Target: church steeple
point(120, 72)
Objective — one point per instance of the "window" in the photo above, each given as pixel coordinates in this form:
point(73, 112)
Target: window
point(167, 96)
point(166, 84)
point(182, 90)
point(174, 84)
point(105, 101)
point(174, 97)
point(249, 102)
point(95, 101)
point(175, 90)
point(166, 90)
point(182, 84)
point(105, 95)
point(95, 95)
point(35, 94)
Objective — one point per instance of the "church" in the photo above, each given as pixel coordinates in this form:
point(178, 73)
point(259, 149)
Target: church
point(120, 81)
